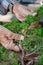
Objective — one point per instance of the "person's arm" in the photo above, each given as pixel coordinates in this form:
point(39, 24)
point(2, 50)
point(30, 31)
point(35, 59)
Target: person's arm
point(6, 18)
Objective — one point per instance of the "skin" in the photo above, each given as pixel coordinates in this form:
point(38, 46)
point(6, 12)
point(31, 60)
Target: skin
point(6, 39)
point(6, 36)
point(6, 18)
point(21, 11)
point(8, 44)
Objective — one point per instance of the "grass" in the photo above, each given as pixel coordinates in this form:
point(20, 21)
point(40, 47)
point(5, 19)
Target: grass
point(28, 43)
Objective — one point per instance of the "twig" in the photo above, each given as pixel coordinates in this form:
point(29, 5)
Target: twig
point(34, 51)
point(33, 25)
point(30, 53)
point(30, 62)
point(22, 57)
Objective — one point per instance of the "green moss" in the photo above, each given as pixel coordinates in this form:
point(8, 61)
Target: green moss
point(33, 38)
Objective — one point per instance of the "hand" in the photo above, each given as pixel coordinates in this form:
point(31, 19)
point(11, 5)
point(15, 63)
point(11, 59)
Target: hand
point(6, 39)
point(10, 35)
point(6, 18)
point(21, 11)
point(8, 44)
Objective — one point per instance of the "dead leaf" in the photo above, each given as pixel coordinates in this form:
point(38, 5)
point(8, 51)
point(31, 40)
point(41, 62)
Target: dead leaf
point(33, 25)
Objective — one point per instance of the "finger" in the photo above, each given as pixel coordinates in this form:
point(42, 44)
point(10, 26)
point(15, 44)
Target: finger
point(19, 16)
point(22, 11)
point(19, 11)
point(8, 44)
point(10, 35)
